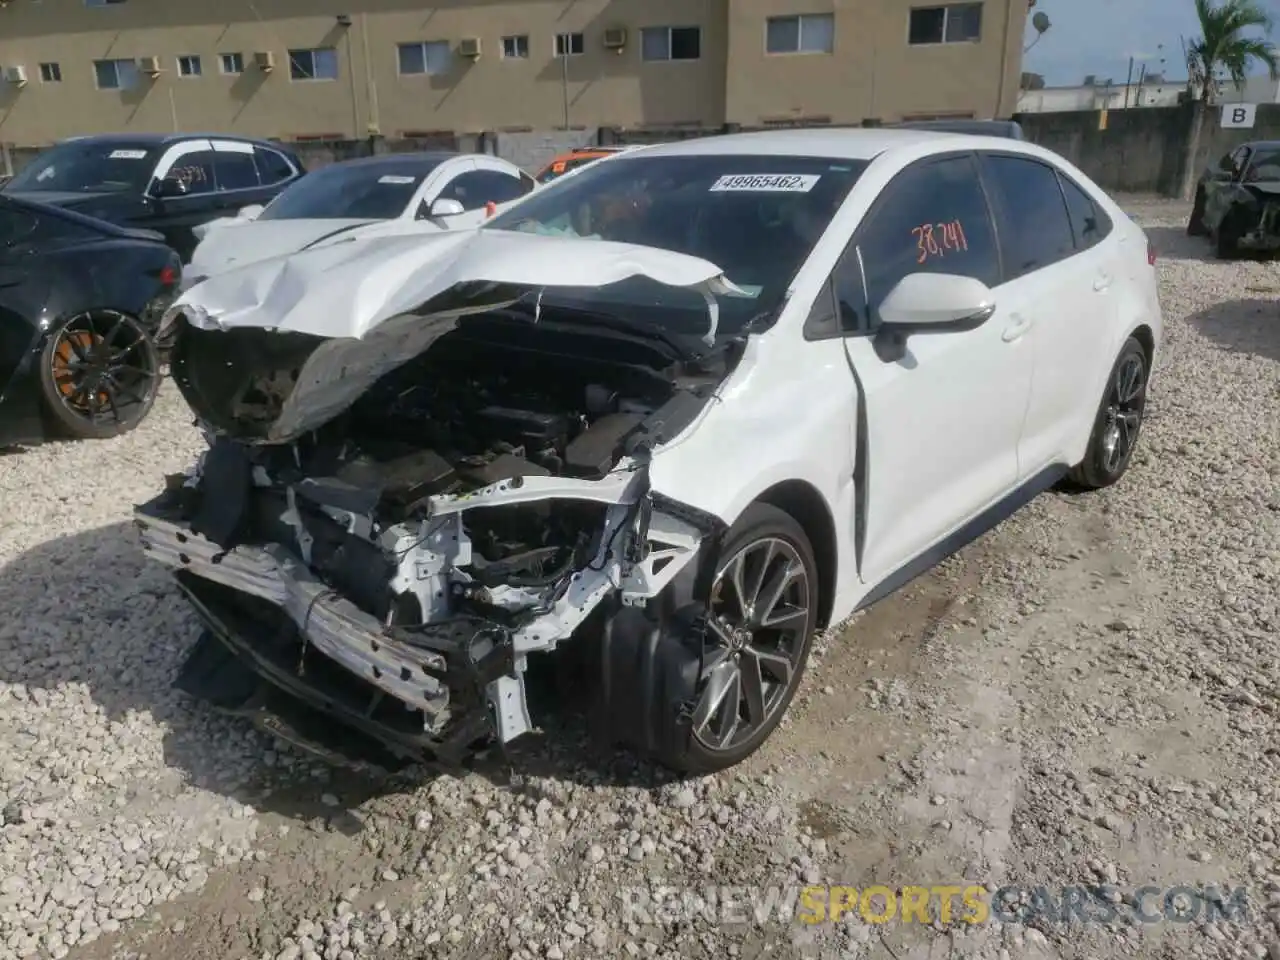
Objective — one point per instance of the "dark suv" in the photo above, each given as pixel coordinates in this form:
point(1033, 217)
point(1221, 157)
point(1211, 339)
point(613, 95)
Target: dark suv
point(163, 182)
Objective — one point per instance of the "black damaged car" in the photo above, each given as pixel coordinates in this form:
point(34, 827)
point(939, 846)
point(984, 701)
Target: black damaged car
point(80, 301)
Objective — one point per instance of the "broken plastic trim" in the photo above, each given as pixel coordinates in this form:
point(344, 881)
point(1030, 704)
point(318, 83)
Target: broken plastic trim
point(647, 541)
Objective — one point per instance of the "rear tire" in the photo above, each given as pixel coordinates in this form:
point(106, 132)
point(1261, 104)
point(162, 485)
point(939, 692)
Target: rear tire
point(754, 658)
point(1118, 421)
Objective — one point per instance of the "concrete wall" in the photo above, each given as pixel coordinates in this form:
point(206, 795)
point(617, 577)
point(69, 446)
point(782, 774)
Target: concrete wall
point(1142, 150)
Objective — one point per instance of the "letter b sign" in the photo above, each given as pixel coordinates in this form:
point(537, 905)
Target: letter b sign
point(1239, 115)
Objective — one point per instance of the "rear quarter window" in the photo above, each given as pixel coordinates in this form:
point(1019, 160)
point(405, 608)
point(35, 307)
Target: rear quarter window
point(1090, 224)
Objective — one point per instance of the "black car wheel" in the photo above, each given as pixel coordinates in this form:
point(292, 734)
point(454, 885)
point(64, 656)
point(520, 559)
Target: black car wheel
point(1196, 225)
point(759, 630)
point(99, 374)
point(1227, 237)
point(1118, 421)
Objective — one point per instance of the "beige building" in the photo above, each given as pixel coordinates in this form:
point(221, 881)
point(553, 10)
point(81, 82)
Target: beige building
point(342, 68)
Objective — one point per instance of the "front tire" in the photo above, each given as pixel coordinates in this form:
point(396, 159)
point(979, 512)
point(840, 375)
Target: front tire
point(760, 626)
point(1118, 421)
point(99, 375)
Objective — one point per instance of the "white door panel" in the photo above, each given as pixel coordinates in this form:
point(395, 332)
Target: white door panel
point(943, 428)
point(1077, 313)
point(1068, 279)
point(944, 422)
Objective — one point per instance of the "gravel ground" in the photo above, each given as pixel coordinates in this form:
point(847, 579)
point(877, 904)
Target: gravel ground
point(1088, 695)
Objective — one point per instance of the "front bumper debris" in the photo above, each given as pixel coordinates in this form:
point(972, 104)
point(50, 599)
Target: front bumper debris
point(435, 691)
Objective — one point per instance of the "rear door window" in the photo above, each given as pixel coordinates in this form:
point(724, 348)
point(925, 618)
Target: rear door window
point(1034, 226)
point(236, 170)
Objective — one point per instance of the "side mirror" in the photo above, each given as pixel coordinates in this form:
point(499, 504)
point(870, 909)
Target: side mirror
point(250, 212)
point(446, 207)
point(930, 303)
point(171, 187)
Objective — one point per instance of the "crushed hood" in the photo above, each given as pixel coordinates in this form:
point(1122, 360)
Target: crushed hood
point(377, 302)
point(346, 288)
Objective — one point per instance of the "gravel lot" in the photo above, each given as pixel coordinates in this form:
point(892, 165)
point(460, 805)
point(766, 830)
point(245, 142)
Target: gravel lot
point(1090, 694)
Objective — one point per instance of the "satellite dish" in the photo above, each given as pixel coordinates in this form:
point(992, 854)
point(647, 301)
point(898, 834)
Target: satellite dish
point(1041, 22)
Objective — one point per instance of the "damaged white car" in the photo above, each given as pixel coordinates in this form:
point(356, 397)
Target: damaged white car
point(667, 420)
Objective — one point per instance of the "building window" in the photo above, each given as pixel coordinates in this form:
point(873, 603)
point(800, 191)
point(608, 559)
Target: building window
point(50, 73)
point(115, 74)
point(318, 64)
point(515, 48)
point(957, 23)
point(431, 58)
point(806, 33)
point(671, 43)
point(570, 44)
point(189, 66)
point(231, 62)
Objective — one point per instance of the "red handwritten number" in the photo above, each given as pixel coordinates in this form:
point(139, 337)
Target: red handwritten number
point(935, 239)
point(930, 242)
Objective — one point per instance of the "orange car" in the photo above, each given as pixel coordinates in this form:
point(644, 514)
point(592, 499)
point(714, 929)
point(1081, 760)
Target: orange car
point(577, 157)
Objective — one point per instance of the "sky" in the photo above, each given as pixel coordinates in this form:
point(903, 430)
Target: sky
point(1099, 36)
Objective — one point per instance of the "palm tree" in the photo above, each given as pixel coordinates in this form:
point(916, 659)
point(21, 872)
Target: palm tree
point(1229, 44)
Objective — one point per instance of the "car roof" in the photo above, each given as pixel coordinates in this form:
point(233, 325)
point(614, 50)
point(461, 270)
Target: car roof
point(998, 128)
point(847, 143)
point(163, 139)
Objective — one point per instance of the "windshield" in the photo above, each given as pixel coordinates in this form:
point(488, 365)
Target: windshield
point(87, 166)
point(756, 217)
point(352, 191)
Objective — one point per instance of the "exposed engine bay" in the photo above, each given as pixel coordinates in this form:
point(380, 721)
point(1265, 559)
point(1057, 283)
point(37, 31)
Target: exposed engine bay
point(396, 565)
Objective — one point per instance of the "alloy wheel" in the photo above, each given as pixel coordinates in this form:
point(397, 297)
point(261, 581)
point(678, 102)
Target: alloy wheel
point(756, 630)
point(1125, 402)
point(104, 367)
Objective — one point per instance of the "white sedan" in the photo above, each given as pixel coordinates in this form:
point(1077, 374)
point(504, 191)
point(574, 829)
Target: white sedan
point(382, 194)
point(668, 419)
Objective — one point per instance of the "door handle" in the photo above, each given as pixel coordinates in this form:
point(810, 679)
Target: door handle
point(1102, 281)
point(1016, 329)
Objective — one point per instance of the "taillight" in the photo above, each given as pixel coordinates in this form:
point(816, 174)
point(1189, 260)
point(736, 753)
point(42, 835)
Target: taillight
point(170, 275)
point(1151, 254)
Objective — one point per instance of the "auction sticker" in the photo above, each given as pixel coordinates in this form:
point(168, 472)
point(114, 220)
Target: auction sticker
point(765, 183)
point(128, 155)
point(395, 178)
